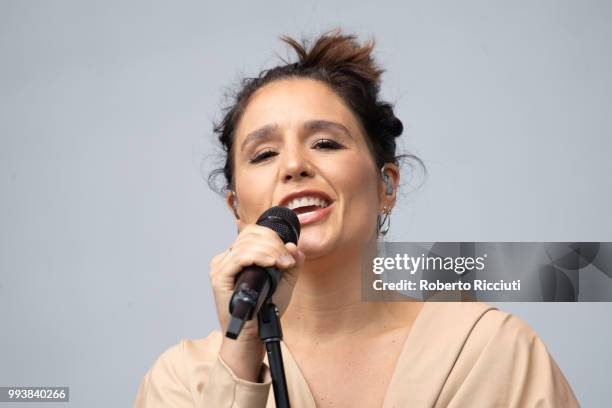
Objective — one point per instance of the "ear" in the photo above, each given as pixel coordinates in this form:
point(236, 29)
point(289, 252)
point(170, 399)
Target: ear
point(229, 200)
point(392, 172)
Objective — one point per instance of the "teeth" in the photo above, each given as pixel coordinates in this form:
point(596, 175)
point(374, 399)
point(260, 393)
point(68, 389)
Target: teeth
point(306, 201)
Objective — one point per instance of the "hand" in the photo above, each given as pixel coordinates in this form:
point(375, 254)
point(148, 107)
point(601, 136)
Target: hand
point(255, 245)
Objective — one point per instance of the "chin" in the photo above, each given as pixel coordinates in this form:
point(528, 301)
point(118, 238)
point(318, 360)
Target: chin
point(315, 246)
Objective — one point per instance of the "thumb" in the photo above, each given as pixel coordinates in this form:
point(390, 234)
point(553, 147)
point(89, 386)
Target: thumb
point(296, 253)
point(301, 257)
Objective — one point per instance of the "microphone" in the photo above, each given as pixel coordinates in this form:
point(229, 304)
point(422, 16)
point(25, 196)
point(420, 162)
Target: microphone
point(255, 284)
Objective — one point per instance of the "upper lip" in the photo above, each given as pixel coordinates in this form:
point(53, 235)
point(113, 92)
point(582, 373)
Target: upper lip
point(304, 193)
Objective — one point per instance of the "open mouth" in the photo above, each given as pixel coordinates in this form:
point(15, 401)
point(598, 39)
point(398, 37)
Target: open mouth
point(306, 209)
point(306, 204)
point(310, 209)
point(310, 205)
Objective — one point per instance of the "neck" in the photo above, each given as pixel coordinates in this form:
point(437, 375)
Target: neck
point(327, 304)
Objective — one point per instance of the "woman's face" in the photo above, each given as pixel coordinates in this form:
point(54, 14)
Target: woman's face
point(296, 136)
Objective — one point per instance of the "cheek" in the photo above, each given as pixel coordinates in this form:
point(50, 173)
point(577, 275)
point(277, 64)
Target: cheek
point(254, 190)
point(354, 178)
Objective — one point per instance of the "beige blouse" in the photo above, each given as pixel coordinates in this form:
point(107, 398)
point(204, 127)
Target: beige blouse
point(456, 355)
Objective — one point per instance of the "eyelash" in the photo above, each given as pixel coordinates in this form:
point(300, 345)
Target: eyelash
point(327, 144)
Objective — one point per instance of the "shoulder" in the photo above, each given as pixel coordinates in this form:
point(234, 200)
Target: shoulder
point(484, 328)
point(205, 349)
point(502, 331)
point(495, 322)
point(476, 320)
point(179, 370)
point(504, 352)
point(178, 357)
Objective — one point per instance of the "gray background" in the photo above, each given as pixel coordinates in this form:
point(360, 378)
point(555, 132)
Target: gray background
point(107, 225)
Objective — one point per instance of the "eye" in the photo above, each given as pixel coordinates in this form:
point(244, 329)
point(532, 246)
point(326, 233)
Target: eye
point(262, 156)
point(327, 144)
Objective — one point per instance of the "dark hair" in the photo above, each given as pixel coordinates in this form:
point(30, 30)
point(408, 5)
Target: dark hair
point(348, 68)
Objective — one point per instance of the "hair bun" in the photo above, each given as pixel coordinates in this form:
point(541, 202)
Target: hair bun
point(396, 127)
point(390, 122)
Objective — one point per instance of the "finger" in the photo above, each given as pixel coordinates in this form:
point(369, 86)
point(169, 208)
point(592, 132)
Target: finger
point(257, 233)
point(277, 250)
point(295, 251)
point(243, 256)
point(232, 265)
point(291, 247)
point(264, 232)
point(301, 257)
point(285, 259)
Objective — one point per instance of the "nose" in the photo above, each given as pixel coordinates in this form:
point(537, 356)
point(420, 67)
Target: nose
point(295, 166)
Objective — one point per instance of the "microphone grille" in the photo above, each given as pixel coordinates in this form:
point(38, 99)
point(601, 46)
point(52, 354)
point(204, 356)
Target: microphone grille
point(283, 221)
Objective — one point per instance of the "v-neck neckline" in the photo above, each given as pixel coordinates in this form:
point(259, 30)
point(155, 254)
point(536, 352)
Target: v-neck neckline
point(298, 378)
point(425, 361)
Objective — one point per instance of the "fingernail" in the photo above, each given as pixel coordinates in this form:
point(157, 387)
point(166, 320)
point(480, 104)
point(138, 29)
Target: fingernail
point(286, 259)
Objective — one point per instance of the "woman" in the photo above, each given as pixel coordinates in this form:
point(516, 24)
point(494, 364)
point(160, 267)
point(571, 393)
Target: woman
point(314, 136)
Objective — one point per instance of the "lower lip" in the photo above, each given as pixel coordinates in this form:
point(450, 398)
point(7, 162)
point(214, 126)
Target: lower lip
point(314, 216)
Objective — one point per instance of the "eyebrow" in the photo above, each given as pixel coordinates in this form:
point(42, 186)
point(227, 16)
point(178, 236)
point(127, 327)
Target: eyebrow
point(310, 126)
point(263, 132)
point(313, 125)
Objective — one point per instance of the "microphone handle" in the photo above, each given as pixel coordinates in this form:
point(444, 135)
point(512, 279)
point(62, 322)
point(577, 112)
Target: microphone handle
point(253, 286)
